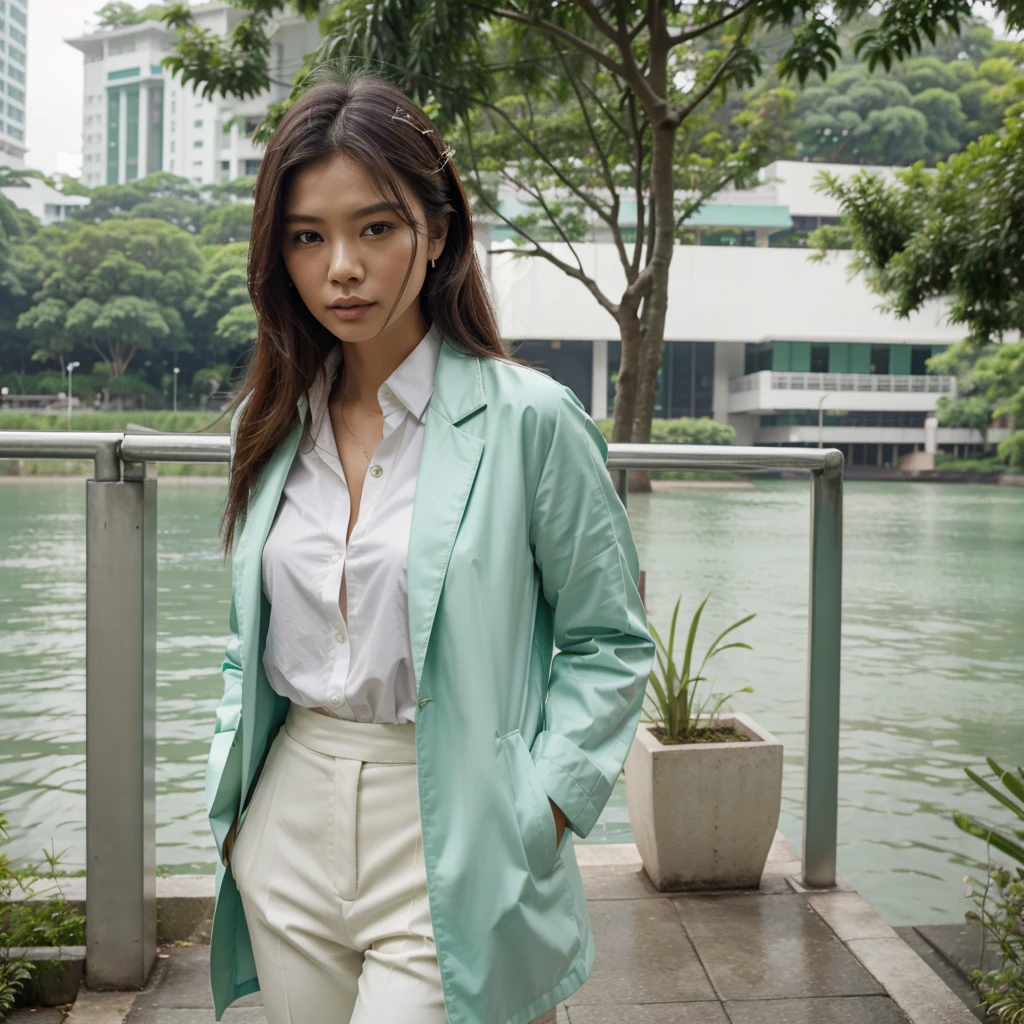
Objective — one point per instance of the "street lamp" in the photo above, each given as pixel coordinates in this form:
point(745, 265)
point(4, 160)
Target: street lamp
point(176, 372)
point(71, 367)
point(821, 419)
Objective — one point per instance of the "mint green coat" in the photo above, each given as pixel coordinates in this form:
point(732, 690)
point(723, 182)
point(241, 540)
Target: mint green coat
point(518, 544)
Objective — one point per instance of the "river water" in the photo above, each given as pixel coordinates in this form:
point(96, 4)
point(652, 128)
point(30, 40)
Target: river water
point(932, 662)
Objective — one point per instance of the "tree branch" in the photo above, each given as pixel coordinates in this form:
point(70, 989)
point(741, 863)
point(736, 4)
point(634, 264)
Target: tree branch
point(684, 36)
point(550, 29)
point(568, 269)
point(709, 86)
point(613, 215)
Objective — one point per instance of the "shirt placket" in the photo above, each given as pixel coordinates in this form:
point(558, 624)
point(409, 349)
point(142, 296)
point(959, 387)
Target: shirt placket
point(339, 693)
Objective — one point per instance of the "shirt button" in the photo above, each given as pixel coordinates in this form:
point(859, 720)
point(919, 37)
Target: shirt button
point(339, 637)
point(334, 558)
point(375, 471)
point(335, 698)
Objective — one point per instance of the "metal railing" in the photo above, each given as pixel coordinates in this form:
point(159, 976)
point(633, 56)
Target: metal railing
point(884, 383)
point(120, 665)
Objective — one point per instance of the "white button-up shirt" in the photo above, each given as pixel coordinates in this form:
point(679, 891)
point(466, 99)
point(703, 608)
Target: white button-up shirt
point(361, 669)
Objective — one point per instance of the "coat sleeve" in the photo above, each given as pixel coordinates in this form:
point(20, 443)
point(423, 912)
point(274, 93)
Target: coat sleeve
point(224, 765)
point(584, 549)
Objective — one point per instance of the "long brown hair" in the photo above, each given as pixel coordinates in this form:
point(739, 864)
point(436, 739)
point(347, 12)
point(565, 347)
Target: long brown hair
point(368, 119)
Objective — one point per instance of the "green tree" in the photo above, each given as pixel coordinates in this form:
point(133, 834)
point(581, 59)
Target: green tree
point(46, 324)
point(127, 286)
point(587, 107)
point(962, 86)
point(225, 224)
point(958, 234)
point(224, 317)
point(117, 13)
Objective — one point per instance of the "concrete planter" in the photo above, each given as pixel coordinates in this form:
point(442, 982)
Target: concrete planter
point(58, 973)
point(703, 815)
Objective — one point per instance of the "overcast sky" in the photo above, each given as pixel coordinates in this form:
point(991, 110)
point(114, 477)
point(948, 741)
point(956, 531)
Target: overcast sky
point(54, 82)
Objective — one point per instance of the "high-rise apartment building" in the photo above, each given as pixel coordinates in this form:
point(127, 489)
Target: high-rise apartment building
point(13, 37)
point(137, 119)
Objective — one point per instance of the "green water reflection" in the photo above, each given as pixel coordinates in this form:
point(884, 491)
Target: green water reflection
point(933, 661)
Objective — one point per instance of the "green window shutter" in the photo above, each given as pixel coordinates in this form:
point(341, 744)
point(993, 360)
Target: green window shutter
point(131, 171)
point(899, 359)
point(113, 134)
point(860, 358)
point(839, 359)
point(801, 356)
point(781, 356)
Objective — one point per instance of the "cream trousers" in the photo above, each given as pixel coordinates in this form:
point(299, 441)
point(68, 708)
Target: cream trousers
point(329, 865)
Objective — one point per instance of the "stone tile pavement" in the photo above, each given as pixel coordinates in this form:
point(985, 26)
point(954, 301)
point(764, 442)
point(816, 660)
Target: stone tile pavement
point(777, 955)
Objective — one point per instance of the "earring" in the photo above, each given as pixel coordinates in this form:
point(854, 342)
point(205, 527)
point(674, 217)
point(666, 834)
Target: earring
point(433, 263)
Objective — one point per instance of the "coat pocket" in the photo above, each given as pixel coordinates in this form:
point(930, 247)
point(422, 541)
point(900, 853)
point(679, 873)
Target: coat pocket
point(534, 816)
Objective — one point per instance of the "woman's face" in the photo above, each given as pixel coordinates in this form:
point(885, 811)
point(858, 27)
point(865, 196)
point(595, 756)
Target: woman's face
point(347, 252)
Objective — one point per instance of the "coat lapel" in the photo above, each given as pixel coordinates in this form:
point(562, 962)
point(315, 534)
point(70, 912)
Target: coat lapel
point(448, 465)
point(247, 575)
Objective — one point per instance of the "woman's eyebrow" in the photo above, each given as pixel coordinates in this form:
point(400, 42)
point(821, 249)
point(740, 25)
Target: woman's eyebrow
point(366, 211)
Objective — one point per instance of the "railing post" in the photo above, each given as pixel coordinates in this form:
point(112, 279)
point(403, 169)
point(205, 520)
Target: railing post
point(120, 744)
point(821, 763)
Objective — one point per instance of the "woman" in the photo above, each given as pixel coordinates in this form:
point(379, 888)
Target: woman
point(415, 521)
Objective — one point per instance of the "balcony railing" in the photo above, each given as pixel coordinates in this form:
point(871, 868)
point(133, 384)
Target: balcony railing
point(884, 383)
point(120, 666)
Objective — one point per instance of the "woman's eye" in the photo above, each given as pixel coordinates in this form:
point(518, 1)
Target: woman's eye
point(381, 225)
point(302, 237)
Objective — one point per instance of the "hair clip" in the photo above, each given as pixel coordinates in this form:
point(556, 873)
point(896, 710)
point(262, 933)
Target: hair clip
point(449, 152)
point(404, 115)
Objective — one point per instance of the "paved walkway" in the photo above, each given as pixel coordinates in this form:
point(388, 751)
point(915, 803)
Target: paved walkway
point(774, 956)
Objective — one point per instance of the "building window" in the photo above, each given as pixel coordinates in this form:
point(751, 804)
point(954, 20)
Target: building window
point(252, 166)
point(17, 54)
point(16, 94)
point(919, 356)
point(197, 124)
point(251, 124)
point(198, 144)
point(18, 76)
point(17, 35)
point(18, 15)
point(16, 113)
point(819, 358)
point(879, 358)
point(16, 133)
point(225, 165)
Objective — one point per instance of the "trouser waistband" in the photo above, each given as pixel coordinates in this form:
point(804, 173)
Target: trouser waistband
point(383, 742)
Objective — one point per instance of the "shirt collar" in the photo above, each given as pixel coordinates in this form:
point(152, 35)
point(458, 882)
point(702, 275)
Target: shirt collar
point(412, 383)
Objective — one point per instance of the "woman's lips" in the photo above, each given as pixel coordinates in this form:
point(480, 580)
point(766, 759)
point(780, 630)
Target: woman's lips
point(352, 312)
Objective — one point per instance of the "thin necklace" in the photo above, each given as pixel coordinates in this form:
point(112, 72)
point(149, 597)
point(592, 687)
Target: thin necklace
point(344, 385)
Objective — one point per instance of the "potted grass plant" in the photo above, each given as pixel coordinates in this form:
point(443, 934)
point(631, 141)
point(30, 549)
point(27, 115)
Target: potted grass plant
point(703, 787)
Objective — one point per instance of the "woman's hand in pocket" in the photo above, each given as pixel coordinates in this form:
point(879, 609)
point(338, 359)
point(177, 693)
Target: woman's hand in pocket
point(560, 820)
point(229, 842)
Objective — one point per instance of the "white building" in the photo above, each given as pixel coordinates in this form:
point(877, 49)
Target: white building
point(42, 201)
point(138, 120)
point(13, 30)
point(756, 334)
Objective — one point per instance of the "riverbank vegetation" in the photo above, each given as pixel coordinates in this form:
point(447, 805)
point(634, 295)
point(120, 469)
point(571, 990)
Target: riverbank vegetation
point(47, 920)
point(1000, 898)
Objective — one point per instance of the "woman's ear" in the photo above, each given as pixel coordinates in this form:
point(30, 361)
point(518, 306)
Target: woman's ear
point(437, 240)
